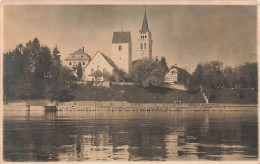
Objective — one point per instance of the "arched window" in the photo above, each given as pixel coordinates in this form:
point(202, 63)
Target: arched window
point(120, 48)
point(144, 45)
point(141, 46)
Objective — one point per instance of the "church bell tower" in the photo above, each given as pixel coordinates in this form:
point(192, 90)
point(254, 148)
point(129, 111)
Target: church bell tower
point(145, 41)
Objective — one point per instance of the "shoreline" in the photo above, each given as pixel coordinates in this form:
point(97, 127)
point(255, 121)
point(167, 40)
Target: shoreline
point(125, 106)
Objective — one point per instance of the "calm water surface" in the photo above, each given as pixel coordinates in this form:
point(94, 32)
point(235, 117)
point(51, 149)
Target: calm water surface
point(106, 136)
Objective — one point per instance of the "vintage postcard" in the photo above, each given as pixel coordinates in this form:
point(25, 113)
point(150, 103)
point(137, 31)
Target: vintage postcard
point(172, 81)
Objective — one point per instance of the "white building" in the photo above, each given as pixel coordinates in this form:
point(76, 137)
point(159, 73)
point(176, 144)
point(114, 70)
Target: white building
point(122, 50)
point(99, 62)
point(77, 57)
point(172, 75)
point(145, 41)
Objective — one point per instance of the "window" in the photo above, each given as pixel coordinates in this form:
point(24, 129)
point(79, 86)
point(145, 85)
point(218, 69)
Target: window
point(69, 63)
point(144, 45)
point(145, 36)
point(141, 37)
point(98, 67)
point(141, 46)
point(83, 63)
point(120, 48)
point(104, 70)
point(92, 70)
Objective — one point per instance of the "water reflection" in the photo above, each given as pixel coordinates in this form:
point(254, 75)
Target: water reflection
point(105, 136)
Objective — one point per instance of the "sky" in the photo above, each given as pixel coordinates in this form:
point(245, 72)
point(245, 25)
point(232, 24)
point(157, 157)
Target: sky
point(185, 35)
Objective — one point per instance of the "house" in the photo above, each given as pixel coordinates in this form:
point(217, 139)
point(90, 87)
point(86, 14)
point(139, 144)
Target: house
point(172, 75)
point(177, 78)
point(79, 56)
point(99, 67)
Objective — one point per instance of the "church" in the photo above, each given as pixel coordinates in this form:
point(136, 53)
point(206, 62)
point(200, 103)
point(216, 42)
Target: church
point(121, 55)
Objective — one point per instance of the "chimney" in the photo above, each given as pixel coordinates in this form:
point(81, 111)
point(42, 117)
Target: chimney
point(83, 49)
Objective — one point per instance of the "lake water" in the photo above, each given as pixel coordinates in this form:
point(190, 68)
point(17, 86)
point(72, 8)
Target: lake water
point(106, 136)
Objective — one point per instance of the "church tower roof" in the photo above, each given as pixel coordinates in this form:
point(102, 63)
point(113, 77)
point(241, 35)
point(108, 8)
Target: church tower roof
point(145, 25)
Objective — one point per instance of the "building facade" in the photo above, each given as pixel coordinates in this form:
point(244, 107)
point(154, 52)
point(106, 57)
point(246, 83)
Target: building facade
point(172, 75)
point(79, 56)
point(101, 64)
point(145, 42)
point(122, 50)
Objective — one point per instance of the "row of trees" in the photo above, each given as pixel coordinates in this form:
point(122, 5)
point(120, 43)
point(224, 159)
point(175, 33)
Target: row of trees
point(34, 71)
point(214, 75)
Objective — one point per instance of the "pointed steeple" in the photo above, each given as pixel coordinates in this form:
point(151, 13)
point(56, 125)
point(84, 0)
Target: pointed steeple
point(145, 25)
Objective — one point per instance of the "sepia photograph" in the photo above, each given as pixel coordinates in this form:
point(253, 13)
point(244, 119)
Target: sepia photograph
point(128, 82)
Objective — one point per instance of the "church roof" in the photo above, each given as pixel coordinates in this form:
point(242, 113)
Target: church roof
point(78, 55)
point(145, 27)
point(122, 37)
point(110, 61)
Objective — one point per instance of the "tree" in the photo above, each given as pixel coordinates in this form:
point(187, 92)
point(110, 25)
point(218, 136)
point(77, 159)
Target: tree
point(163, 62)
point(148, 73)
point(79, 71)
point(56, 56)
point(33, 71)
point(97, 74)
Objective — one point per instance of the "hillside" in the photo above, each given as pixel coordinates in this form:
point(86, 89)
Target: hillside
point(237, 96)
point(133, 94)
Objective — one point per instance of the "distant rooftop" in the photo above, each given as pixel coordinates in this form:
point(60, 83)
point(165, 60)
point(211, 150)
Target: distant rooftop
point(78, 55)
point(122, 37)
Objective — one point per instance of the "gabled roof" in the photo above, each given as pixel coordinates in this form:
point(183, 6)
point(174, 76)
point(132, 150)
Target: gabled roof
point(122, 37)
point(145, 27)
point(78, 55)
point(179, 70)
point(110, 61)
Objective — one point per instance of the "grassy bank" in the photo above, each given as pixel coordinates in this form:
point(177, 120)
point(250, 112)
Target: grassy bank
point(134, 94)
point(237, 96)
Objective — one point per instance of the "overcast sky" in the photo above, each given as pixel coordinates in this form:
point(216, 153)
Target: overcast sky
point(185, 35)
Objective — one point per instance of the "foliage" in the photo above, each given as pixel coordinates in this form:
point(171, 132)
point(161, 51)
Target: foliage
point(79, 71)
point(148, 73)
point(33, 71)
point(213, 75)
point(123, 76)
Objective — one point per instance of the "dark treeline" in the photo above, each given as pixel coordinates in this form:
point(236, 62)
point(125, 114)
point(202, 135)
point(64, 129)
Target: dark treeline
point(34, 71)
point(214, 75)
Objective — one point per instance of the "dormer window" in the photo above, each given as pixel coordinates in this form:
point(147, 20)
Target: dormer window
point(120, 48)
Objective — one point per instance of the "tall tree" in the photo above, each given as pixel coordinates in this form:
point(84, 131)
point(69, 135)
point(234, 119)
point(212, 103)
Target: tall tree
point(79, 71)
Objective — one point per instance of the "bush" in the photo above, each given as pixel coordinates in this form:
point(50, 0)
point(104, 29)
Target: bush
point(212, 97)
point(242, 95)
